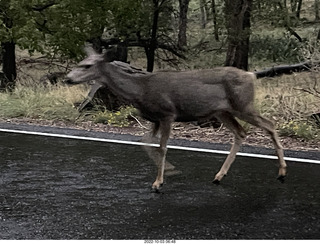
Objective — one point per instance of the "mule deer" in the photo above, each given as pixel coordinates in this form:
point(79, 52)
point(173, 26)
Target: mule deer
point(165, 97)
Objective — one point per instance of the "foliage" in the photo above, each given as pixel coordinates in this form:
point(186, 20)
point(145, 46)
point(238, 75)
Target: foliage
point(278, 49)
point(300, 129)
point(59, 28)
point(126, 18)
point(18, 23)
point(119, 118)
point(277, 13)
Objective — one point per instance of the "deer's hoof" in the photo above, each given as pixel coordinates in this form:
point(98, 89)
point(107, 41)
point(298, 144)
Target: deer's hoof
point(219, 176)
point(156, 186)
point(156, 189)
point(281, 178)
point(216, 182)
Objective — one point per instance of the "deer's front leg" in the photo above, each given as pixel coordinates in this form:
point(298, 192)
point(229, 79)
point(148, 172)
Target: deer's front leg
point(153, 153)
point(161, 165)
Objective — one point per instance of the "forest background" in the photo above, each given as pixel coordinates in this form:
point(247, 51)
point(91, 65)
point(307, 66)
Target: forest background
point(41, 40)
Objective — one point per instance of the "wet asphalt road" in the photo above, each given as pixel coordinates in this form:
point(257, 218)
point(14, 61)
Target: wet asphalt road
point(68, 189)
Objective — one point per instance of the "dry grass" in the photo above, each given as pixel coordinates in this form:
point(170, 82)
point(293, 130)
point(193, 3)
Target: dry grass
point(34, 99)
point(290, 100)
point(287, 96)
point(38, 101)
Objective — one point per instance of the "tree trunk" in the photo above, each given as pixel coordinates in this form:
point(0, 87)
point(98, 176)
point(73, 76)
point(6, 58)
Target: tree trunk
point(299, 9)
point(293, 4)
point(7, 51)
point(237, 13)
point(203, 11)
point(9, 65)
point(151, 47)
point(150, 53)
point(214, 15)
point(182, 35)
point(316, 9)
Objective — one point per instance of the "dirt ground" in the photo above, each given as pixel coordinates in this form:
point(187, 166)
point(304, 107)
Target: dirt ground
point(188, 131)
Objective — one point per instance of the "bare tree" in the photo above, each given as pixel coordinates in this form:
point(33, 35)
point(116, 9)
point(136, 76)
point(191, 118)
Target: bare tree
point(214, 17)
point(237, 13)
point(203, 11)
point(316, 9)
point(182, 35)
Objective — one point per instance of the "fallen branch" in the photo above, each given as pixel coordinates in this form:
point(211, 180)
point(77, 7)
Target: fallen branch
point(314, 93)
point(40, 8)
point(284, 69)
point(138, 121)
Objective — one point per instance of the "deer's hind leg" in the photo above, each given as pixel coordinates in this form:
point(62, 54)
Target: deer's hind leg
point(165, 129)
point(265, 124)
point(239, 134)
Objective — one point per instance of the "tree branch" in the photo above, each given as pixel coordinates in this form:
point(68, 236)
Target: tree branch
point(314, 93)
point(295, 34)
point(171, 49)
point(144, 43)
point(40, 8)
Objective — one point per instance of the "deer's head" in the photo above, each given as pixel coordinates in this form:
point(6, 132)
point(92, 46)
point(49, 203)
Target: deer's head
point(87, 69)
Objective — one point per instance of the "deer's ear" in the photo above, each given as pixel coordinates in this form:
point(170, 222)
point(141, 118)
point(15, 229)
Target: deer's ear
point(110, 54)
point(89, 50)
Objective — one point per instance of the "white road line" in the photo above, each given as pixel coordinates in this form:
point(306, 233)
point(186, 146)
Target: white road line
point(194, 149)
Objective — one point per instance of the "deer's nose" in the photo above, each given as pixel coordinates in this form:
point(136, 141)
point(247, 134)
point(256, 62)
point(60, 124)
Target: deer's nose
point(69, 81)
point(69, 75)
point(70, 78)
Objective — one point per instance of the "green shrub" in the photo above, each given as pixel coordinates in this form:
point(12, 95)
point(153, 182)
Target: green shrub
point(300, 129)
point(282, 48)
point(120, 118)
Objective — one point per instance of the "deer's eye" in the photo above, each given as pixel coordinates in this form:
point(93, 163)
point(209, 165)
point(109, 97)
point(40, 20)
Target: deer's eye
point(86, 66)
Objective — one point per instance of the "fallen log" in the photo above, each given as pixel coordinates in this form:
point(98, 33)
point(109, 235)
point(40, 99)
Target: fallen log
point(284, 69)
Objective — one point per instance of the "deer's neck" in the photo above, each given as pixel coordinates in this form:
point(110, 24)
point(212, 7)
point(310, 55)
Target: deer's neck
point(122, 84)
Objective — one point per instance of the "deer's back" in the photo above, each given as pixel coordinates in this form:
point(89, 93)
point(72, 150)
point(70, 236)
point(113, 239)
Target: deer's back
point(197, 94)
